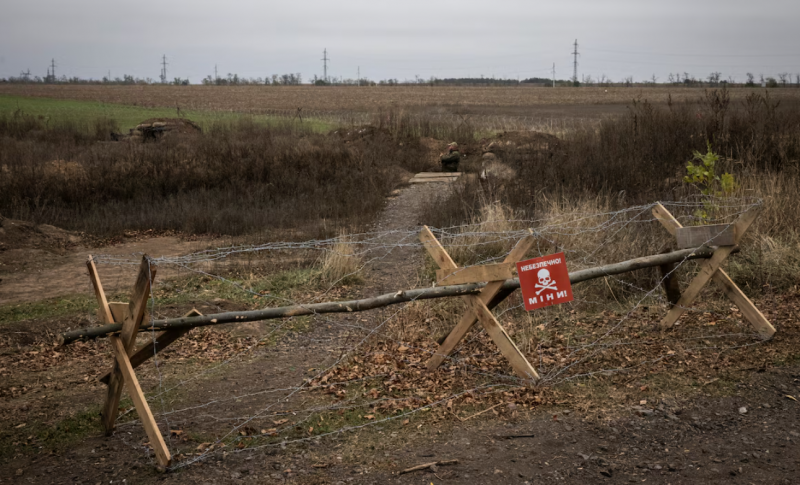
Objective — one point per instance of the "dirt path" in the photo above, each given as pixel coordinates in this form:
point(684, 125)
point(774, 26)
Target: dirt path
point(42, 274)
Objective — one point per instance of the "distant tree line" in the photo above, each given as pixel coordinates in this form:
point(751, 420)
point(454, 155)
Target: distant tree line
point(714, 79)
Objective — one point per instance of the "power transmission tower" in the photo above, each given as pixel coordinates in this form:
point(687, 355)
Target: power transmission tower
point(53, 69)
point(554, 74)
point(216, 77)
point(358, 77)
point(575, 64)
point(164, 69)
point(325, 60)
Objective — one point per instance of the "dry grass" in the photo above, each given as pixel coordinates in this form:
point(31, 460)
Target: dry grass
point(234, 179)
point(341, 264)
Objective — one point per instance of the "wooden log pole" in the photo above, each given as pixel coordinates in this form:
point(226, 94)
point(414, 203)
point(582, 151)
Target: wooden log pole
point(387, 299)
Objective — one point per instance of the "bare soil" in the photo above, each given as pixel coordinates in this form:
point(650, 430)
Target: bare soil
point(526, 101)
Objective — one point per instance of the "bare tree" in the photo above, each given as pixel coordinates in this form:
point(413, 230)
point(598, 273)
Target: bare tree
point(783, 77)
point(750, 80)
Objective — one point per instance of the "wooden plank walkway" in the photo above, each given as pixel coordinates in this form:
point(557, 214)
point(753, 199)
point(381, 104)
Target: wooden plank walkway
point(433, 177)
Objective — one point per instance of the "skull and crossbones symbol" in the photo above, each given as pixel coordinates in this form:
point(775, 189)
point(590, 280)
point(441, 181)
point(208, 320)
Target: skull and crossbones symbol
point(545, 281)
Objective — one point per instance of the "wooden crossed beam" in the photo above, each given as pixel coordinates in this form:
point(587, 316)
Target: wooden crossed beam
point(127, 357)
point(479, 306)
point(711, 269)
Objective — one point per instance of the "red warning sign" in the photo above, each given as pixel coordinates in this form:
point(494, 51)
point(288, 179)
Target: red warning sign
point(544, 281)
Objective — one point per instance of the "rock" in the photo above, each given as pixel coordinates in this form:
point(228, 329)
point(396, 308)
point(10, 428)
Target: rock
point(743, 410)
point(606, 473)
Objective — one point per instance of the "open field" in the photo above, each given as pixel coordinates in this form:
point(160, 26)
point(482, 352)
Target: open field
point(590, 102)
point(127, 116)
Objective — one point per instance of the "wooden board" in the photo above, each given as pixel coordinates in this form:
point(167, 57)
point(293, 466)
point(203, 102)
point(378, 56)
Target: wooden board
point(431, 180)
point(667, 220)
point(435, 249)
point(518, 362)
point(475, 274)
point(120, 311)
point(713, 235)
point(103, 311)
point(142, 408)
point(749, 310)
point(437, 174)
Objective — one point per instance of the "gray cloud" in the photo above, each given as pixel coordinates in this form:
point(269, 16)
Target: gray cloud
point(504, 38)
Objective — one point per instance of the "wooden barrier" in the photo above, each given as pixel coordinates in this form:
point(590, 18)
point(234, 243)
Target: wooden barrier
point(127, 358)
point(711, 270)
point(393, 298)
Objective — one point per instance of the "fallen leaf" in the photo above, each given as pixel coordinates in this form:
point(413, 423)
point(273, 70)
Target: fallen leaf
point(280, 422)
point(370, 416)
point(790, 397)
point(20, 426)
point(175, 432)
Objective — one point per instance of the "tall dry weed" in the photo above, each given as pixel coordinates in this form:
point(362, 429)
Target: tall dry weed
point(341, 264)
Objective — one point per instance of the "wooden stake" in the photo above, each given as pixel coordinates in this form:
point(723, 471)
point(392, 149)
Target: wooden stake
point(142, 408)
point(130, 327)
point(498, 334)
point(104, 312)
point(749, 310)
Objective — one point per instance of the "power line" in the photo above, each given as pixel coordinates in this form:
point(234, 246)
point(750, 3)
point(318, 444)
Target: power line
point(164, 69)
point(575, 64)
point(325, 60)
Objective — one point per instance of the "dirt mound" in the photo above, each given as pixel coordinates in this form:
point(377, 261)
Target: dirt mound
point(174, 125)
point(21, 234)
point(358, 133)
point(156, 128)
point(24, 245)
point(522, 141)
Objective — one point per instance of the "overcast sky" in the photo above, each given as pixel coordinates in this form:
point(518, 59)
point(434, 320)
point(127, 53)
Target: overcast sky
point(400, 39)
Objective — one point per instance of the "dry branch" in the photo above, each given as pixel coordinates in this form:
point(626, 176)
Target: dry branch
point(387, 299)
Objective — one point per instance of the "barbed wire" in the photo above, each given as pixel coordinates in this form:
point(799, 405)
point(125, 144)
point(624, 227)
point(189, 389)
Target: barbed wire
point(588, 239)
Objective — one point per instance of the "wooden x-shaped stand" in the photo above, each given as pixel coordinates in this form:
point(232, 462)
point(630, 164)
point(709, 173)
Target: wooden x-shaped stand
point(479, 306)
point(127, 357)
point(711, 269)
